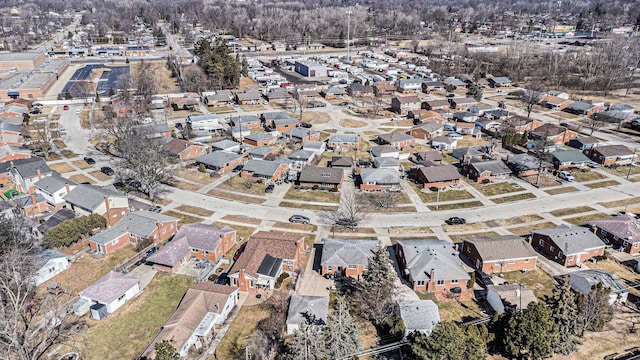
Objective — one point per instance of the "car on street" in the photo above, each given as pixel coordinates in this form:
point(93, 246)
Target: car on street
point(89, 161)
point(155, 209)
point(299, 219)
point(36, 111)
point(565, 175)
point(107, 171)
point(455, 220)
point(269, 189)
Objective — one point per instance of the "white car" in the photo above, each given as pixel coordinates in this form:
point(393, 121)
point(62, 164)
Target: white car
point(455, 135)
point(565, 175)
point(78, 111)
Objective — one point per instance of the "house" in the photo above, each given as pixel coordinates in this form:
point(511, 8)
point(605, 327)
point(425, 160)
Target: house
point(55, 219)
point(300, 158)
point(496, 114)
point(226, 145)
point(444, 143)
point(247, 121)
point(583, 281)
point(427, 130)
point(386, 163)
point(410, 86)
point(428, 86)
point(220, 161)
point(342, 162)
point(520, 124)
point(622, 231)
point(269, 171)
point(436, 105)
point(583, 108)
point(554, 133)
point(316, 147)
point(259, 139)
point(380, 180)
point(425, 116)
point(346, 258)
point(31, 204)
point(333, 92)
point(482, 109)
point(382, 88)
point(301, 135)
point(305, 308)
point(201, 308)
point(343, 142)
point(418, 315)
point(501, 297)
point(499, 81)
point(523, 165)
point(487, 124)
point(157, 131)
point(453, 82)
point(10, 152)
point(218, 100)
point(560, 94)
point(107, 201)
point(266, 256)
point(248, 97)
point(402, 105)
point(140, 228)
point(359, 90)
point(433, 266)
point(323, 178)
point(436, 176)
point(184, 150)
point(608, 155)
point(284, 124)
point(385, 151)
point(310, 68)
point(53, 189)
point(194, 242)
point(428, 158)
point(465, 116)
point(206, 122)
point(268, 117)
point(262, 152)
point(568, 159)
point(585, 142)
point(555, 102)
point(26, 172)
point(396, 139)
point(485, 170)
point(499, 253)
point(462, 103)
point(109, 293)
point(49, 263)
point(567, 245)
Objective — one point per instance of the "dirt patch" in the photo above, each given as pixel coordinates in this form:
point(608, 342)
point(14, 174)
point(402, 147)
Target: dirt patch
point(312, 195)
point(68, 153)
point(467, 141)
point(497, 188)
point(352, 123)
point(287, 225)
point(184, 185)
point(184, 219)
point(100, 175)
point(581, 220)
point(235, 197)
point(242, 219)
point(195, 210)
point(410, 230)
point(525, 230)
point(561, 190)
point(196, 176)
point(81, 164)
point(519, 220)
point(61, 168)
point(316, 117)
point(79, 179)
point(458, 238)
point(582, 176)
point(465, 227)
point(624, 202)
point(602, 184)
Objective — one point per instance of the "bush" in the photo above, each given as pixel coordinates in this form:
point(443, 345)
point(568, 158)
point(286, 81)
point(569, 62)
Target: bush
point(202, 168)
point(281, 278)
point(433, 188)
point(333, 189)
point(213, 277)
point(70, 231)
point(315, 187)
point(296, 187)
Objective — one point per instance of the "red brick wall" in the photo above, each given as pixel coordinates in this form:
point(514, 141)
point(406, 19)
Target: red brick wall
point(286, 127)
point(113, 215)
point(192, 152)
point(352, 273)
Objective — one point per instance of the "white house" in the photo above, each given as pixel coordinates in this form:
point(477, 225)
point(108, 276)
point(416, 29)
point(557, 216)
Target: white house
point(444, 143)
point(110, 292)
point(54, 188)
point(206, 122)
point(418, 315)
point(509, 295)
point(49, 263)
point(582, 281)
point(317, 147)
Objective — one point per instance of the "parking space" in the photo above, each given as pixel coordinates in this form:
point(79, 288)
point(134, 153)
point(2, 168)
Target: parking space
point(144, 273)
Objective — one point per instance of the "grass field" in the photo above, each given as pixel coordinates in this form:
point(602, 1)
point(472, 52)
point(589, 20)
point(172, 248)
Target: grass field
point(582, 176)
point(455, 310)
point(184, 218)
point(517, 197)
point(81, 164)
point(235, 197)
point(242, 219)
point(449, 195)
point(307, 206)
point(312, 195)
point(561, 190)
point(78, 179)
point(602, 184)
point(195, 210)
point(537, 280)
point(581, 220)
point(61, 168)
point(238, 184)
point(625, 202)
point(233, 343)
point(519, 220)
point(458, 238)
point(497, 188)
point(525, 230)
point(571, 211)
point(460, 205)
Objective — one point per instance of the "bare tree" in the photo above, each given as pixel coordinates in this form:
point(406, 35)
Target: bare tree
point(530, 98)
point(194, 79)
point(384, 200)
point(40, 137)
point(145, 81)
point(595, 122)
point(352, 210)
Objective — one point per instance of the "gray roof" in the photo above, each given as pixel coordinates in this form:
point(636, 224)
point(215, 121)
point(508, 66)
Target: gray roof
point(342, 252)
point(224, 144)
point(420, 315)
point(443, 140)
point(275, 115)
point(453, 81)
point(261, 167)
point(501, 247)
point(299, 133)
point(312, 174)
point(341, 161)
point(285, 121)
point(57, 218)
point(26, 200)
point(594, 276)
point(493, 166)
point(382, 162)
point(580, 106)
point(259, 136)
point(524, 161)
point(570, 156)
point(500, 80)
point(433, 83)
point(243, 119)
point(218, 159)
point(334, 90)
point(28, 168)
point(191, 236)
point(313, 145)
point(261, 151)
point(42, 257)
point(471, 151)
point(301, 155)
point(395, 137)
point(571, 239)
point(90, 197)
point(141, 223)
point(424, 256)
point(109, 287)
point(53, 183)
point(204, 117)
point(613, 150)
point(304, 307)
point(430, 127)
point(380, 176)
point(383, 149)
point(440, 173)
point(344, 138)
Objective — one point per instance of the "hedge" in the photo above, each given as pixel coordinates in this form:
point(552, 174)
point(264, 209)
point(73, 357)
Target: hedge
point(70, 231)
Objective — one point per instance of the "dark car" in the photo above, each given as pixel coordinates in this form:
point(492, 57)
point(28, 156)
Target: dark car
point(344, 103)
point(155, 209)
point(364, 163)
point(179, 126)
point(203, 264)
point(238, 168)
point(269, 189)
point(305, 125)
point(483, 278)
point(36, 111)
point(239, 251)
point(311, 106)
point(107, 171)
point(66, 107)
point(89, 161)
point(133, 183)
point(299, 219)
point(455, 221)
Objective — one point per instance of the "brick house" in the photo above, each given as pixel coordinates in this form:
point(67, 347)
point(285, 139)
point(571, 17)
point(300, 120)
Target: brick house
point(569, 159)
point(426, 116)
point(436, 176)
point(554, 133)
point(611, 155)
point(269, 171)
point(404, 104)
point(523, 165)
point(259, 139)
point(433, 266)
point(184, 150)
point(567, 245)
point(500, 253)
point(346, 258)
point(266, 256)
point(359, 90)
point(106, 201)
point(428, 158)
point(249, 97)
point(332, 92)
point(343, 142)
point(301, 135)
point(194, 242)
point(555, 103)
point(247, 121)
point(220, 161)
point(621, 231)
point(521, 124)
point(285, 124)
point(426, 131)
point(481, 170)
point(583, 108)
point(134, 228)
point(436, 105)
point(409, 86)
point(32, 204)
point(325, 178)
point(381, 88)
point(462, 103)
point(26, 172)
point(396, 139)
point(380, 180)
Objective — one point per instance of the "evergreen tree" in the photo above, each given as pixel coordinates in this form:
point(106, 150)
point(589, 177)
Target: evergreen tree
point(475, 91)
point(340, 335)
point(524, 139)
point(376, 291)
point(166, 351)
point(444, 343)
point(530, 333)
point(67, 95)
point(475, 344)
point(305, 344)
point(565, 314)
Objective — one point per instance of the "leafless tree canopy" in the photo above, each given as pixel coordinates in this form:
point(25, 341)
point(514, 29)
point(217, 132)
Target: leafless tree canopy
point(353, 209)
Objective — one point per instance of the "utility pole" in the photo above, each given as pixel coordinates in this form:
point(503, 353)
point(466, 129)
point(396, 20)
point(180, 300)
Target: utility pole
point(631, 165)
point(348, 34)
point(246, 348)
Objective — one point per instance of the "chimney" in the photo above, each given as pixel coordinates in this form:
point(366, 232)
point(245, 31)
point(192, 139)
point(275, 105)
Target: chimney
point(11, 162)
point(39, 173)
point(106, 204)
point(66, 187)
point(33, 200)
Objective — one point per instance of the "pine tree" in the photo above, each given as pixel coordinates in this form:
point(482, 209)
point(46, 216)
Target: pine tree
point(166, 351)
point(376, 291)
point(475, 91)
point(475, 343)
point(565, 314)
point(445, 342)
point(305, 344)
point(340, 335)
point(531, 331)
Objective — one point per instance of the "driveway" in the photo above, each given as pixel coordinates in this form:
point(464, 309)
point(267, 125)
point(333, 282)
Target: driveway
point(144, 273)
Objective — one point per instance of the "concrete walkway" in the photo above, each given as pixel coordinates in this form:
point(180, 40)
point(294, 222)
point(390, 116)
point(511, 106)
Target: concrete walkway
point(220, 333)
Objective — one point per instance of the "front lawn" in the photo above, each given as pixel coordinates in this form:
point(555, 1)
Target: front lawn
point(184, 218)
point(572, 210)
point(511, 198)
point(537, 280)
point(312, 195)
point(428, 196)
point(582, 176)
point(497, 188)
point(245, 324)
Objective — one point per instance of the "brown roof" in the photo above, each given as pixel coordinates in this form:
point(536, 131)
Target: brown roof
point(625, 227)
point(550, 130)
point(440, 173)
point(429, 155)
point(613, 150)
point(438, 103)
point(501, 247)
point(554, 100)
point(517, 120)
point(384, 86)
point(341, 161)
point(277, 244)
point(408, 99)
point(313, 174)
point(176, 146)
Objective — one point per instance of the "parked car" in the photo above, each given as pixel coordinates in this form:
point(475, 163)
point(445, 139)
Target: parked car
point(155, 209)
point(455, 135)
point(455, 221)
point(203, 264)
point(36, 111)
point(89, 161)
point(133, 183)
point(449, 128)
point(37, 104)
point(269, 189)
point(239, 251)
point(305, 125)
point(299, 219)
point(565, 175)
point(344, 103)
point(66, 107)
point(593, 164)
point(483, 278)
point(107, 171)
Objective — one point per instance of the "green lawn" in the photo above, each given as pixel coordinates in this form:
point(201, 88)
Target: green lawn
point(497, 188)
point(537, 280)
point(312, 195)
point(125, 333)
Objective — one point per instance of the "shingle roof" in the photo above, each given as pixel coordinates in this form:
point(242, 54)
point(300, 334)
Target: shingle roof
point(495, 167)
point(259, 136)
point(198, 236)
point(580, 106)
point(595, 276)
point(547, 130)
point(300, 133)
point(465, 100)
point(440, 173)
point(524, 161)
point(408, 99)
point(334, 90)
point(344, 138)
point(28, 168)
point(383, 149)
point(438, 103)
point(277, 244)
point(53, 183)
point(341, 161)
point(391, 138)
point(571, 239)
point(224, 144)
point(275, 115)
point(285, 121)
point(471, 151)
point(429, 127)
point(261, 151)
point(90, 197)
point(625, 227)
point(424, 256)
point(42, 257)
point(312, 174)
point(244, 119)
point(420, 315)
point(613, 150)
point(342, 252)
point(176, 146)
point(304, 307)
point(261, 167)
point(382, 162)
point(443, 140)
point(141, 223)
point(429, 155)
point(109, 287)
point(501, 247)
point(572, 156)
point(380, 176)
point(218, 159)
